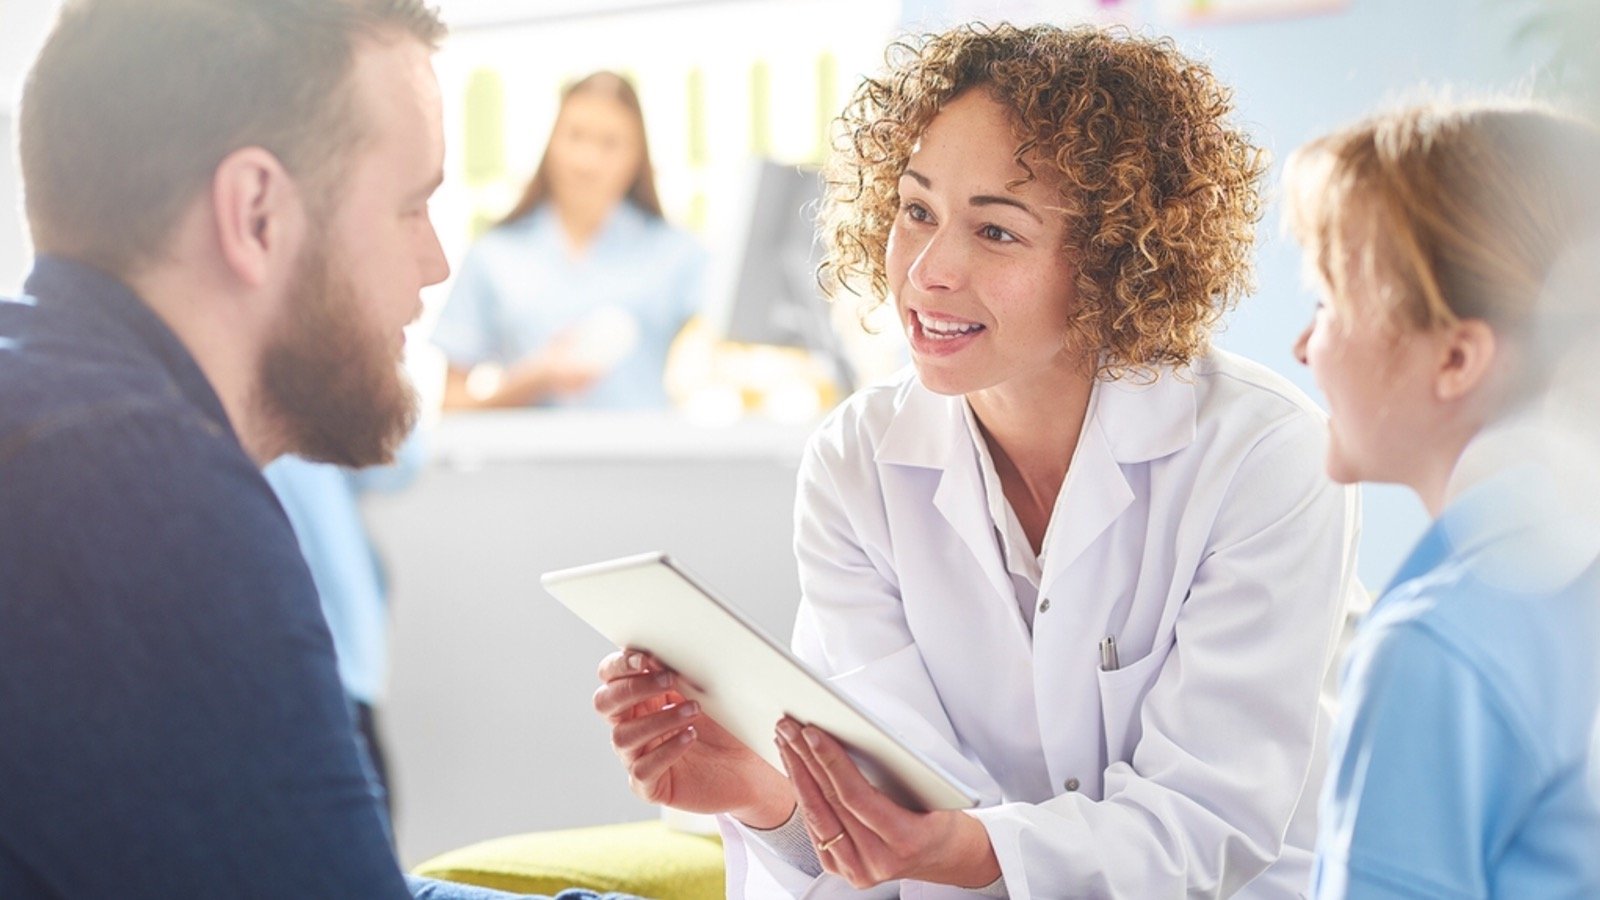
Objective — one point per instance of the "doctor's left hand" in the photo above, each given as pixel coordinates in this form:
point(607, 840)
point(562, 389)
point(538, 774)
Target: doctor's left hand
point(865, 837)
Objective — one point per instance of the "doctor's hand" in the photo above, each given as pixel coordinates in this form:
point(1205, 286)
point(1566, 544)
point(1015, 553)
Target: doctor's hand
point(865, 837)
point(676, 755)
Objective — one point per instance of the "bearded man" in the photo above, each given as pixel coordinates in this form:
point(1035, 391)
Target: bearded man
point(229, 201)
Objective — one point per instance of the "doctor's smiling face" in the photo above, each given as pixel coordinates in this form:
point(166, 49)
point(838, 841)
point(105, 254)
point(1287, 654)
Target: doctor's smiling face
point(976, 257)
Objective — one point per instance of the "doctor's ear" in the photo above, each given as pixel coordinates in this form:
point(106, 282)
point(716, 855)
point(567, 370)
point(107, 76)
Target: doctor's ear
point(259, 214)
point(1469, 351)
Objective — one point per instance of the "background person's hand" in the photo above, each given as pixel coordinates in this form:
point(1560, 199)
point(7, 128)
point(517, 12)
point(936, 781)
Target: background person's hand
point(586, 351)
point(548, 372)
point(556, 370)
point(865, 837)
point(676, 755)
point(568, 365)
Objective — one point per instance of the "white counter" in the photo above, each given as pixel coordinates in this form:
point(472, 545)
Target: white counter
point(488, 718)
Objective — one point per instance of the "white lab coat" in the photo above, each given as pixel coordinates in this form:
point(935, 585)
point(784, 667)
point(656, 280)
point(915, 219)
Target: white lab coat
point(1196, 526)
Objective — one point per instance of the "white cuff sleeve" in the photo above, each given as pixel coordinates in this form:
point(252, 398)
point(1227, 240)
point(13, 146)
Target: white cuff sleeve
point(791, 842)
point(995, 888)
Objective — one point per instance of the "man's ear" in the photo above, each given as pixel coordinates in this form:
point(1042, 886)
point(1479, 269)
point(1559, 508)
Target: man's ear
point(258, 209)
point(1468, 355)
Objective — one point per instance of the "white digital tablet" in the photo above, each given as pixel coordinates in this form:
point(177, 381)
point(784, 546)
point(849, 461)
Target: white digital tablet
point(743, 679)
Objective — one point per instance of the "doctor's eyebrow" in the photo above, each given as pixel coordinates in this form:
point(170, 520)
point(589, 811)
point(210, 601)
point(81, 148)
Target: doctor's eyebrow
point(979, 199)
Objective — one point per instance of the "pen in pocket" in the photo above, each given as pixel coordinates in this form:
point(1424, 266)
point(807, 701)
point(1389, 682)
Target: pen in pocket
point(1108, 654)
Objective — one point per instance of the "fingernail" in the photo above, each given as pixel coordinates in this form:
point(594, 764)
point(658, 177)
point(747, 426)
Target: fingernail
point(689, 710)
point(788, 730)
point(664, 679)
point(635, 661)
point(813, 737)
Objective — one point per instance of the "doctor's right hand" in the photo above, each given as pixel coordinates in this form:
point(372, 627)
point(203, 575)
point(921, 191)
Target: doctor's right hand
point(676, 755)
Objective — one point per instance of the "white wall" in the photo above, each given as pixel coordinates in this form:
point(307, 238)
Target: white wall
point(13, 246)
point(23, 25)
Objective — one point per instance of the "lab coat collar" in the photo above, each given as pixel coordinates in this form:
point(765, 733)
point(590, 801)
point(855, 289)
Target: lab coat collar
point(1138, 421)
point(1144, 420)
point(1095, 494)
point(1128, 423)
point(929, 431)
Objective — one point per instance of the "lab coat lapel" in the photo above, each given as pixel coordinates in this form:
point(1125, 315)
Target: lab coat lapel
point(960, 498)
point(930, 431)
point(1095, 493)
point(1129, 423)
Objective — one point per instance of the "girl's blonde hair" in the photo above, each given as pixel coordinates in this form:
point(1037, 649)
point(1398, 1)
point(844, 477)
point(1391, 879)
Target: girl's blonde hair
point(1457, 211)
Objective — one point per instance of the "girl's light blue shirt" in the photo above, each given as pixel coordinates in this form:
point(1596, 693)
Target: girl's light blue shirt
point(519, 286)
point(1465, 757)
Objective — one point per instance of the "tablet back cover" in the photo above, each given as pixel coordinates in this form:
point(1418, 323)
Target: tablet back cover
point(743, 679)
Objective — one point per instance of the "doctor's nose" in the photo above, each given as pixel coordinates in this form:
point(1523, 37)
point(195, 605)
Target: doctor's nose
point(938, 266)
point(1300, 346)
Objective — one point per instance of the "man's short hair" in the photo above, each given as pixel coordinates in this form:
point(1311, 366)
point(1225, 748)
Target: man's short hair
point(132, 104)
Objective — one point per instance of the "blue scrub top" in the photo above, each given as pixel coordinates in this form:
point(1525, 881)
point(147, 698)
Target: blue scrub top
point(1466, 756)
point(323, 505)
point(519, 287)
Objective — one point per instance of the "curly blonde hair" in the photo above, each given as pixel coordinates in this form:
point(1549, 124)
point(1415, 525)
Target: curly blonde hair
point(1158, 188)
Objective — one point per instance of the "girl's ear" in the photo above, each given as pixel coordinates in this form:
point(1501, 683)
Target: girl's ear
point(1467, 357)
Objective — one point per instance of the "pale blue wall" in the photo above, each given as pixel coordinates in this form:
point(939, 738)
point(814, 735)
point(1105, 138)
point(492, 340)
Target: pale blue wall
point(1296, 78)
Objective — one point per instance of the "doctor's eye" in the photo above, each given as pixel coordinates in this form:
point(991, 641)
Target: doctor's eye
point(997, 234)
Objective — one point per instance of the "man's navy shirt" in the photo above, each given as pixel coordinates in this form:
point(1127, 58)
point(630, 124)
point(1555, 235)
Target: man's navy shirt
point(171, 720)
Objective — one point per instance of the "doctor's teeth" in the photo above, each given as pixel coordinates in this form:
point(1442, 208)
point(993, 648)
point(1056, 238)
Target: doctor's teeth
point(937, 328)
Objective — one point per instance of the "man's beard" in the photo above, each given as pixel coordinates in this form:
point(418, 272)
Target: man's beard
point(332, 383)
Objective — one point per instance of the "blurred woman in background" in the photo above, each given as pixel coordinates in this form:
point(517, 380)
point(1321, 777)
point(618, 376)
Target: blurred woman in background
point(574, 298)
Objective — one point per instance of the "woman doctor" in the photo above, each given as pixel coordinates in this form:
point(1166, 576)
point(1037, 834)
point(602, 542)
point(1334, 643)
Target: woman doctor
point(1086, 564)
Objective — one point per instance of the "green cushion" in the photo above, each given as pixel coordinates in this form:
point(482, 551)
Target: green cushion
point(643, 858)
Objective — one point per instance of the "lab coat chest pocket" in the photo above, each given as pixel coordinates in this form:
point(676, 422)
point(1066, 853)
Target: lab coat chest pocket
point(1122, 693)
